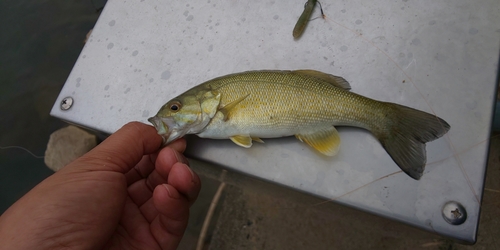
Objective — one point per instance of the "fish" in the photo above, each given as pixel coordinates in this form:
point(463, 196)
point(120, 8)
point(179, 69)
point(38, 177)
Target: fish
point(309, 104)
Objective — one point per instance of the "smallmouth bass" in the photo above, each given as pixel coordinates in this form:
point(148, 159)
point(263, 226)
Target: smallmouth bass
point(247, 106)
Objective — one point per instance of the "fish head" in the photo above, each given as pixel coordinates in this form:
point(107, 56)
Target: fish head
point(188, 113)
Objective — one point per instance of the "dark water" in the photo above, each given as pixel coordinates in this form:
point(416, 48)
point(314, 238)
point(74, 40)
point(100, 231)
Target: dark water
point(39, 44)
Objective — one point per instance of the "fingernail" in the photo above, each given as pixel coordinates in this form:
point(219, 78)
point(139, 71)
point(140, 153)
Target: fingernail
point(168, 189)
point(181, 158)
point(190, 171)
point(171, 191)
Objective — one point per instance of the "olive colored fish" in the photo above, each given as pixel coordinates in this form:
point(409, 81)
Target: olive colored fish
point(306, 103)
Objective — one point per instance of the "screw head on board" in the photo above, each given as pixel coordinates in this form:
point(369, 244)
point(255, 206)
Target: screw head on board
point(66, 103)
point(454, 213)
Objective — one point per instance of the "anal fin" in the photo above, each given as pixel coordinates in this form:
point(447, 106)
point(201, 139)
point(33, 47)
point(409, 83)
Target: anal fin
point(242, 140)
point(257, 139)
point(325, 141)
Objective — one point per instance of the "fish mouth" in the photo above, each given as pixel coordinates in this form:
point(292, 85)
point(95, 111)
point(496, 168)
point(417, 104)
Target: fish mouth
point(161, 127)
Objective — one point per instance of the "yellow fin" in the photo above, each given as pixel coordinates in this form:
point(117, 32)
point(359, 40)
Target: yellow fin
point(336, 81)
point(326, 141)
point(242, 140)
point(225, 110)
point(257, 139)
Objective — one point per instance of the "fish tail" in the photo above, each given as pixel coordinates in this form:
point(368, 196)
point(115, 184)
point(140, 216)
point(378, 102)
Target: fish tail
point(404, 135)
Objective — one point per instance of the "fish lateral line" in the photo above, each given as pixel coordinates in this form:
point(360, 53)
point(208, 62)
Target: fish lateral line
point(322, 13)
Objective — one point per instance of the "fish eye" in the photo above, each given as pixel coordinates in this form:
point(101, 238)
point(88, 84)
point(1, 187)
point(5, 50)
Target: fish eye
point(175, 106)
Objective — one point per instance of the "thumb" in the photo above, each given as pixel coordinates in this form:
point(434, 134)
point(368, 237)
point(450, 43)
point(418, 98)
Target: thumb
point(122, 150)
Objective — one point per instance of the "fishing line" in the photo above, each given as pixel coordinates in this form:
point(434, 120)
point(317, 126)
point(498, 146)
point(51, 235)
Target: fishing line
point(461, 152)
point(383, 177)
point(25, 149)
point(446, 136)
point(430, 163)
point(356, 189)
point(322, 13)
point(321, 8)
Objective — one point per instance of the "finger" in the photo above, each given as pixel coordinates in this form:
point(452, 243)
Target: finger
point(169, 226)
point(133, 223)
point(148, 210)
point(184, 180)
point(142, 190)
point(124, 149)
point(145, 167)
point(186, 183)
point(142, 169)
point(178, 145)
point(166, 159)
point(147, 179)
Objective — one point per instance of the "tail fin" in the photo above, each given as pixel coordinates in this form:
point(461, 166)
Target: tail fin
point(404, 136)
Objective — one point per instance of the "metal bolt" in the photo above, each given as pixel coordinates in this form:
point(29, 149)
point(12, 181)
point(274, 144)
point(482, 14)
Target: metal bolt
point(66, 103)
point(454, 213)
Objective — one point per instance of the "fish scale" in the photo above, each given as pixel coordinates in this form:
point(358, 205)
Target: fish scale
point(283, 101)
point(306, 103)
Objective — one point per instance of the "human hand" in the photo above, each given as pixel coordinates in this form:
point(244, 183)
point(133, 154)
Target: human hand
point(124, 194)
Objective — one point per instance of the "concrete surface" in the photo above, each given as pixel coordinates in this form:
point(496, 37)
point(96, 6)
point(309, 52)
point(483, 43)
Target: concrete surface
point(259, 215)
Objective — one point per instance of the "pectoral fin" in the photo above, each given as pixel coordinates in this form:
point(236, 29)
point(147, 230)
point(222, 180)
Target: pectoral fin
point(326, 141)
point(242, 140)
point(226, 109)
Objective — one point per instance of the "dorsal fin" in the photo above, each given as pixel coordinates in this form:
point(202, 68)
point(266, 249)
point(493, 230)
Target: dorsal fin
point(336, 81)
